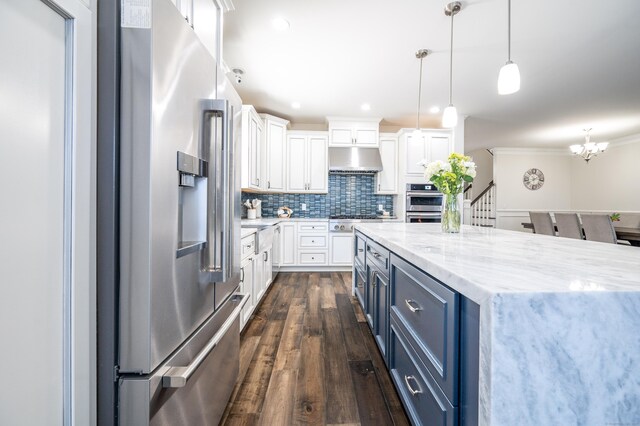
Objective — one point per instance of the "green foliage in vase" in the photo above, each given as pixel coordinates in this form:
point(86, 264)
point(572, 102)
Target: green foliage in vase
point(449, 176)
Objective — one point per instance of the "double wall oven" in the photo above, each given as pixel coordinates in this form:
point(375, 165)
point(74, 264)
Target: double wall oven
point(423, 204)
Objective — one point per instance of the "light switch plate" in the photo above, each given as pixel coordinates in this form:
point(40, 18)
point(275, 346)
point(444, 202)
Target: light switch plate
point(303, 207)
point(380, 207)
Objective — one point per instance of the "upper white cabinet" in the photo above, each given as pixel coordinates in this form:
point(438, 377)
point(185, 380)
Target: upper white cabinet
point(387, 179)
point(353, 131)
point(252, 155)
point(430, 147)
point(275, 136)
point(307, 163)
point(206, 20)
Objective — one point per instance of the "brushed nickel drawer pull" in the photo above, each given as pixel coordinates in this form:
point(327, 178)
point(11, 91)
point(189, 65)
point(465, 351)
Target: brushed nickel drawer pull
point(413, 391)
point(376, 254)
point(360, 250)
point(412, 308)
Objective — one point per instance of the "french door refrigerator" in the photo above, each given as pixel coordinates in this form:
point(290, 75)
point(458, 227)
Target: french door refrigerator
point(169, 241)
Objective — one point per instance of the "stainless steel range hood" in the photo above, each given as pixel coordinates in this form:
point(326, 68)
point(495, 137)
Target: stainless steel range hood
point(354, 160)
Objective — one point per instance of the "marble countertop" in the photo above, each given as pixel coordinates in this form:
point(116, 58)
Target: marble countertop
point(559, 319)
point(268, 221)
point(245, 232)
point(482, 262)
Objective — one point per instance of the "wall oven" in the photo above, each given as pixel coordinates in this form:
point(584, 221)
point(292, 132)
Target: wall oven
point(424, 203)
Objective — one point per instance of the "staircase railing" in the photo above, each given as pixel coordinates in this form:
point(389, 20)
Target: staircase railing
point(468, 192)
point(483, 210)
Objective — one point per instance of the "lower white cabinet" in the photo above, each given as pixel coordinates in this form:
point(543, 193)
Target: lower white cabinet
point(288, 244)
point(246, 286)
point(312, 243)
point(341, 249)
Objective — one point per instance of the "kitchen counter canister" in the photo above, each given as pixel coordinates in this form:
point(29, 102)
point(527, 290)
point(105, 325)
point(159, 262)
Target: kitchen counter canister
point(559, 319)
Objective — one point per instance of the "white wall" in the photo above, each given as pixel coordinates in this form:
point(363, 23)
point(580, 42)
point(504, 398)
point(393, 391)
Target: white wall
point(514, 200)
point(607, 182)
point(604, 185)
point(484, 168)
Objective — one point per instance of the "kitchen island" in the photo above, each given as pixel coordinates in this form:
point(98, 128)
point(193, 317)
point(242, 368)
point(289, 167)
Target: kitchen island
point(559, 320)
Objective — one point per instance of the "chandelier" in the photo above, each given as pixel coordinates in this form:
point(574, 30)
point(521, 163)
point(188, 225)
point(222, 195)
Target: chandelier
point(589, 149)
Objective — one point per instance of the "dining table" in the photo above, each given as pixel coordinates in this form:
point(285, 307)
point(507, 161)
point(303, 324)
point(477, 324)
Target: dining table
point(622, 233)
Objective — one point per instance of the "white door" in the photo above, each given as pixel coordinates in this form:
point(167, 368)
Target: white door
point(296, 162)
point(268, 267)
point(255, 136)
point(366, 137)
point(246, 286)
point(47, 249)
point(318, 165)
point(276, 139)
point(341, 136)
point(387, 178)
point(288, 244)
point(341, 249)
point(415, 153)
point(439, 148)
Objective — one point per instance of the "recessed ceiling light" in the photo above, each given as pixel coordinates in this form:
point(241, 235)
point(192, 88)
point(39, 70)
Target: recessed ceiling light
point(365, 107)
point(280, 24)
point(434, 109)
point(295, 105)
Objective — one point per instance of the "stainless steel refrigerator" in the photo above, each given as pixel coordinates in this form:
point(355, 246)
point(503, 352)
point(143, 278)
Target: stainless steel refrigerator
point(170, 249)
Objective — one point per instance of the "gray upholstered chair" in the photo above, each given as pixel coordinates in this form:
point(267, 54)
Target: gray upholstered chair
point(568, 225)
point(598, 227)
point(542, 223)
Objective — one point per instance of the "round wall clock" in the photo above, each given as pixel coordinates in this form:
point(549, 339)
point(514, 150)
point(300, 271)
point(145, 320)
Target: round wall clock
point(533, 179)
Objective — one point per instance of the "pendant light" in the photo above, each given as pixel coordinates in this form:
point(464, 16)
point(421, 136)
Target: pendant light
point(450, 115)
point(509, 77)
point(420, 54)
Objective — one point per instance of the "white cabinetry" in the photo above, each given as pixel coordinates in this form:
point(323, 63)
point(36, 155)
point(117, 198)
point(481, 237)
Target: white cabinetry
point(353, 131)
point(246, 286)
point(288, 244)
point(247, 276)
point(251, 167)
point(341, 249)
point(312, 243)
point(430, 147)
point(207, 23)
point(275, 134)
point(307, 166)
point(387, 179)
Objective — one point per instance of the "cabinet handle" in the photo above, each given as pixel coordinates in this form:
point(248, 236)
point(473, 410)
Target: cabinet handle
point(258, 181)
point(378, 187)
point(413, 391)
point(268, 184)
point(242, 274)
point(411, 307)
point(360, 250)
point(374, 275)
point(376, 254)
point(266, 256)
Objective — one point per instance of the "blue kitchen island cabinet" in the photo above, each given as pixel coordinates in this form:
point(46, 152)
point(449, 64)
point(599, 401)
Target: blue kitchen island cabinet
point(419, 328)
point(495, 327)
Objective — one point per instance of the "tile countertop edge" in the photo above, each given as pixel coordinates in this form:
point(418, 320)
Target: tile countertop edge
point(553, 355)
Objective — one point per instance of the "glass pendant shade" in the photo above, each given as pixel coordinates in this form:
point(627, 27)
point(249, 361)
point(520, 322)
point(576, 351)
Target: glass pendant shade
point(509, 79)
point(450, 117)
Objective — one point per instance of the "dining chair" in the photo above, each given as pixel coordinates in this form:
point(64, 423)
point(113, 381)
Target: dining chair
point(542, 223)
point(568, 225)
point(598, 227)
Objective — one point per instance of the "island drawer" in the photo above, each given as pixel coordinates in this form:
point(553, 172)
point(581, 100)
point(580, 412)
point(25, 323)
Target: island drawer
point(430, 312)
point(424, 401)
point(360, 247)
point(360, 283)
point(379, 256)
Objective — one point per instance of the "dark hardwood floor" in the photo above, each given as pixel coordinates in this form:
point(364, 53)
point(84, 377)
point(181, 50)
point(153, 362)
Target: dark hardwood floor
point(308, 357)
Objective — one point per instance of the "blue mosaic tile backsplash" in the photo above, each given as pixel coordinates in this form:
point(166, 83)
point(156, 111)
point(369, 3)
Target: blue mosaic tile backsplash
point(348, 195)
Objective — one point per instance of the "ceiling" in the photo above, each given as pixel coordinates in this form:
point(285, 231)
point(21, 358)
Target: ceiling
point(579, 62)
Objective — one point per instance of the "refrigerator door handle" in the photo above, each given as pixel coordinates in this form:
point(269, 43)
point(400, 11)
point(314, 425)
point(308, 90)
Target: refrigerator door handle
point(177, 377)
point(218, 256)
